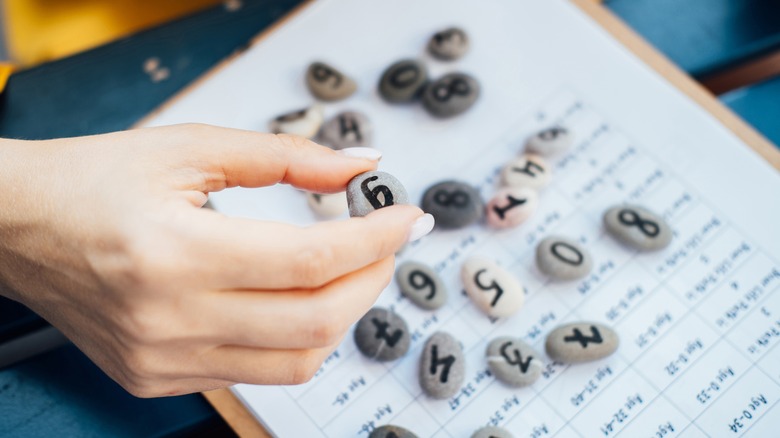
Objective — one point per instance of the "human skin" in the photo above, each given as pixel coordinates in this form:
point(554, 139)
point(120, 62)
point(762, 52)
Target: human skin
point(104, 237)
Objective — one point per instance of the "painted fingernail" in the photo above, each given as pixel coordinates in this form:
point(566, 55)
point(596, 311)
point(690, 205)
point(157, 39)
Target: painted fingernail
point(370, 153)
point(421, 227)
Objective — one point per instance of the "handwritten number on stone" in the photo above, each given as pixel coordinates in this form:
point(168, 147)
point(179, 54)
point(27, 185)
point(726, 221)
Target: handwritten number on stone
point(492, 286)
point(420, 280)
point(517, 359)
point(457, 198)
point(513, 202)
point(584, 340)
point(404, 76)
point(527, 169)
point(630, 218)
point(552, 133)
point(349, 126)
point(571, 255)
point(322, 74)
point(443, 91)
point(446, 362)
point(372, 195)
point(381, 332)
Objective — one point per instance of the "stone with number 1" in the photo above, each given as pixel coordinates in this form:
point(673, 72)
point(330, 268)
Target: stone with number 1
point(493, 289)
point(370, 191)
point(511, 206)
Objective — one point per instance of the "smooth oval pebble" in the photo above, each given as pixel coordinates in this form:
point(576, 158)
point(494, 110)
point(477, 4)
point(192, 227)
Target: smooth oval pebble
point(638, 227)
point(562, 258)
point(550, 141)
point(349, 129)
point(492, 432)
point(390, 431)
point(442, 366)
point(581, 342)
point(513, 361)
point(511, 206)
point(382, 335)
point(450, 95)
point(305, 122)
point(328, 205)
point(448, 44)
point(527, 170)
point(492, 288)
point(453, 204)
point(403, 81)
point(373, 190)
point(328, 83)
point(421, 285)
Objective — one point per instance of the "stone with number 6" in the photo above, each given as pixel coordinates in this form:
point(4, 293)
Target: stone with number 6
point(421, 285)
point(493, 289)
point(638, 227)
point(373, 190)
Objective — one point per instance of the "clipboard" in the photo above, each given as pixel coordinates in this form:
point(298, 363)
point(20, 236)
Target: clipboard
point(245, 424)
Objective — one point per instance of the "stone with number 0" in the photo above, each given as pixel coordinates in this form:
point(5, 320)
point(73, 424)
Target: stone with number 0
point(513, 361)
point(421, 285)
point(454, 204)
point(562, 258)
point(450, 95)
point(581, 342)
point(373, 190)
point(638, 227)
point(442, 366)
point(493, 289)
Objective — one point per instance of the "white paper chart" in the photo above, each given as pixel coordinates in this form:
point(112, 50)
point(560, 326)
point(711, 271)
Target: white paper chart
point(699, 322)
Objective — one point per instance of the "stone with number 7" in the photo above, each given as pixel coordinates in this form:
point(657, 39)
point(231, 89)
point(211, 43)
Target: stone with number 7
point(373, 190)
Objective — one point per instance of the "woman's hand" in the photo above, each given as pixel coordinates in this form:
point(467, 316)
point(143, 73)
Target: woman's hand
point(104, 237)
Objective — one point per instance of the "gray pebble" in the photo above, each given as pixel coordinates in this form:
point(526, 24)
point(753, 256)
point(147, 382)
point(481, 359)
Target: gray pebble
point(421, 285)
point(403, 81)
point(382, 335)
point(513, 361)
point(562, 258)
point(448, 44)
point(327, 83)
point(305, 122)
point(550, 141)
point(390, 431)
point(493, 289)
point(492, 432)
point(450, 95)
point(373, 190)
point(453, 204)
point(349, 129)
point(581, 342)
point(442, 366)
point(638, 227)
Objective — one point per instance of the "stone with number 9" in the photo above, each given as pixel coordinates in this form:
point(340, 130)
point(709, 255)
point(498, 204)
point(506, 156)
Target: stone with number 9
point(373, 190)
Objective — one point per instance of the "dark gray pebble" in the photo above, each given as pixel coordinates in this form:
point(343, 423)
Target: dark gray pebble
point(454, 204)
point(349, 129)
point(450, 95)
point(327, 83)
point(513, 361)
point(403, 81)
point(382, 335)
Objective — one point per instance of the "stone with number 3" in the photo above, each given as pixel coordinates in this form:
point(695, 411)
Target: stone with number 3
point(511, 206)
point(421, 285)
point(581, 342)
point(638, 227)
point(373, 190)
point(493, 289)
point(450, 95)
point(513, 361)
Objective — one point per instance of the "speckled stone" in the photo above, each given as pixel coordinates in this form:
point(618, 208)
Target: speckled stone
point(550, 141)
point(327, 206)
point(382, 335)
point(581, 342)
point(349, 129)
point(493, 289)
point(562, 258)
point(421, 285)
point(403, 81)
point(373, 190)
point(492, 432)
point(442, 366)
point(305, 122)
point(390, 431)
point(448, 44)
point(454, 204)
point(527, 170)
point(638, 227)
point(450, 95)
point(511, 206)
point(513, 361)
point(328, 83)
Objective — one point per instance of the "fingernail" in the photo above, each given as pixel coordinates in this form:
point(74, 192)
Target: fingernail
point(370, 153)
point(421, 227)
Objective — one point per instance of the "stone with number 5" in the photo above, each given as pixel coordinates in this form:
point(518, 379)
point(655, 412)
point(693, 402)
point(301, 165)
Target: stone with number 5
point(493, 289)
point(373, 190)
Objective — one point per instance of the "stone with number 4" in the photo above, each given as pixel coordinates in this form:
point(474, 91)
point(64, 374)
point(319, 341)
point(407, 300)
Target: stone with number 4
point(454, 204)
point(450, 95)
point(390, 431)
point(527, 170)
point(492, 432)
point(382, 335)
point(327, 83)
point(513, 361)
point(562, 258)
point(421, 285)
point(349, 129)
point(581, 342)
point(493, 289)
point(305, 122)
point(373, 190)
point(442, 366)
point(638, 227)
point(511, 206)
point(550, 141)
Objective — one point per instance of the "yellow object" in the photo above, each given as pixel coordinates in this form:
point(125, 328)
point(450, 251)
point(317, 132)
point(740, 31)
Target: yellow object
point(5, 73)
point(42, 30)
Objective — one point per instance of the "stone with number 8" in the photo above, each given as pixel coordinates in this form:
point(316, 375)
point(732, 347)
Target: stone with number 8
point(638, 227)
point(450, 95)
point(454, 204)
point(581, 342)
point(373, 190)
point(421, 285)
point(493, 289)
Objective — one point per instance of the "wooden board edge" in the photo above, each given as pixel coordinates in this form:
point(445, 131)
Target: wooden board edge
point(663, 66)
point(235, 414)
